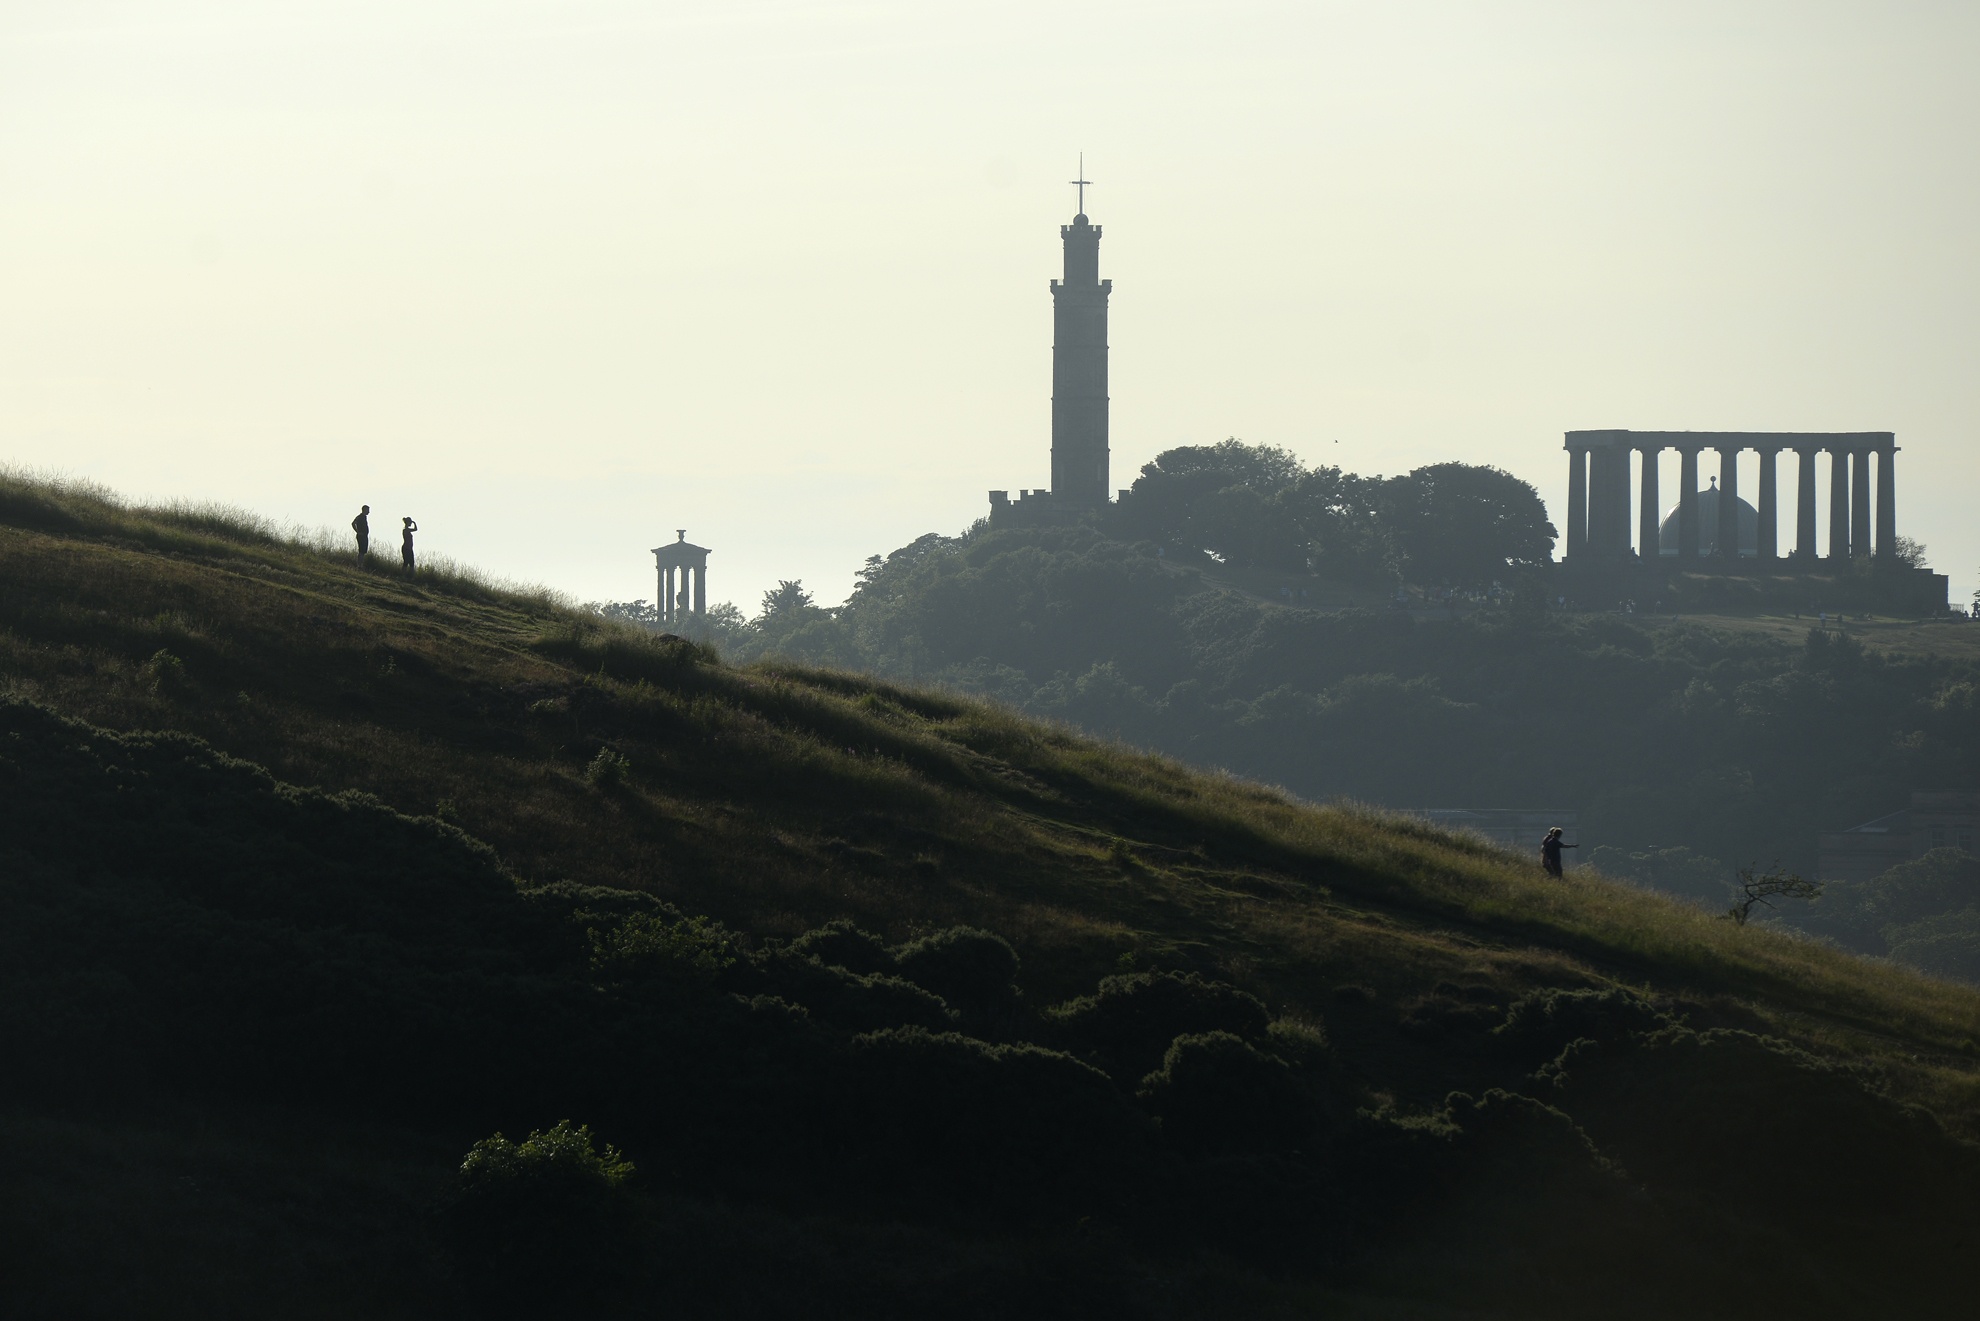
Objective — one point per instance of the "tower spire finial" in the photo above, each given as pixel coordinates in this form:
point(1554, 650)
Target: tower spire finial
point(1082, 181)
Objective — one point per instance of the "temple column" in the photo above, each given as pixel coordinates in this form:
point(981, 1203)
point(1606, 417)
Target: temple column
point(1607, 532)
point(701, 589)
point(1838, 504)
point(1859, 505)
point(1728, 545)
point(1647, 513)
point(1769, 533)
point(1887, 505)
point(667, 600)
point(1577, 528)
point(1688, 507)
point(1804, 505)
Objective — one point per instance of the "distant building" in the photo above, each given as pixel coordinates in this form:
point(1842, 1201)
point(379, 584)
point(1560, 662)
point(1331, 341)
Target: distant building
point(1933, 821)
point(1080, 453)
point(1598, 525)
point(1519, 829)
point(681, 572)
point(1716, 531)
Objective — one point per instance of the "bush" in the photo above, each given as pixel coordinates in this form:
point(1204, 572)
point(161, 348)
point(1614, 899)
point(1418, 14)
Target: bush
point(846, 1000)
point(840, 944)
point(644, 948)
point(1216, 1093)
point(972, 970)
point(1541, 1024)
point(1752, 1124)
point(608, 770)
point(164, 672)
point(539, 1225)
point(1128, 1023)
point(957, 1123)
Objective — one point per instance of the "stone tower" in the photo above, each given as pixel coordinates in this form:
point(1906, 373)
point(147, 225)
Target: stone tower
point(1079, 370)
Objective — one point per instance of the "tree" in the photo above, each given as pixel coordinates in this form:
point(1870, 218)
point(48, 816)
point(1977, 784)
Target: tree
point(1229, 500)
point(1257, 506)
point(637, 612)
point(1765, 887)
point(787, 597)
point(1465, 524)
point(1911, 552)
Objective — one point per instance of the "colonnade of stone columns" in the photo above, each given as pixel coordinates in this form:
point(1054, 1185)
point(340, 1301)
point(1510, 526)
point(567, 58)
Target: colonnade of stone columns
point(682, 570)
point(1598, 493)
point(675, 597)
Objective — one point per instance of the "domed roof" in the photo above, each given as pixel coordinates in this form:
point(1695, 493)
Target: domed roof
point(1748, 521)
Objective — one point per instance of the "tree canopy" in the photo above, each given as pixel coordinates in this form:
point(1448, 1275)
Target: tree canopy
point(1464, 524)
point(1258, 506)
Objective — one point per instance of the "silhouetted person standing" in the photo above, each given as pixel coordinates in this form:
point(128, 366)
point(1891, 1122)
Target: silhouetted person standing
point(362, 526)
point(405, 543)
point(1550, 852)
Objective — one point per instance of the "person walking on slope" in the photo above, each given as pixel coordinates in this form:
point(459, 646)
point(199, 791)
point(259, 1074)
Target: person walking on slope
point(362, 526)
point(405, 543)
point(1550, 852)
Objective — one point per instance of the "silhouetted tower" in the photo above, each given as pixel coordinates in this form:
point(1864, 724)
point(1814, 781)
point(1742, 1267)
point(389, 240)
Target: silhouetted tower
point(1079, 365)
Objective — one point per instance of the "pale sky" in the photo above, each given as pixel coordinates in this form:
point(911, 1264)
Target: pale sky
point(559, 278)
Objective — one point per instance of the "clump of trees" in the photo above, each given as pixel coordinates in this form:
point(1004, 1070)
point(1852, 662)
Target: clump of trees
point(1258, 506)
point(1924, 913)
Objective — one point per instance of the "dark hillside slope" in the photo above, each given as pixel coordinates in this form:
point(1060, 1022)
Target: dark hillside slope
point(1123, 1039)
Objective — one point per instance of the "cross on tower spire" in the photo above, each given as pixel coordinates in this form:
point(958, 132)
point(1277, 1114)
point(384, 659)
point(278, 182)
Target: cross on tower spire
point(1082, 181)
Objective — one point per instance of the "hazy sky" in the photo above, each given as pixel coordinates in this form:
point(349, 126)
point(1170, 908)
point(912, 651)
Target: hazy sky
point(558, 278)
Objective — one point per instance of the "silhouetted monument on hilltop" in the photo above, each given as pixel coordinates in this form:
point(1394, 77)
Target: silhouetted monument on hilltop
point(682, 571)
point(1716, 531)
point(1080, 454)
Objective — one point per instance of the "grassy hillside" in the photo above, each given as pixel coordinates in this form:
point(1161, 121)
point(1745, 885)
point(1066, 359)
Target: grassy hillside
point(362, 989)
point(1737, 741)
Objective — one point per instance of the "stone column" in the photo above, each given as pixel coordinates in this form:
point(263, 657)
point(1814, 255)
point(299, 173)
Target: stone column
point(1838, 504)
point(1647, 513)
point(701, 589)
point(1688, 508)
point(667, 599)
point(1859, 504)
point(1577, 527)
point(1728, 502)
point(1608, 503)
point(1769, 533)
point(1887, 505)
point(1804, 506)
